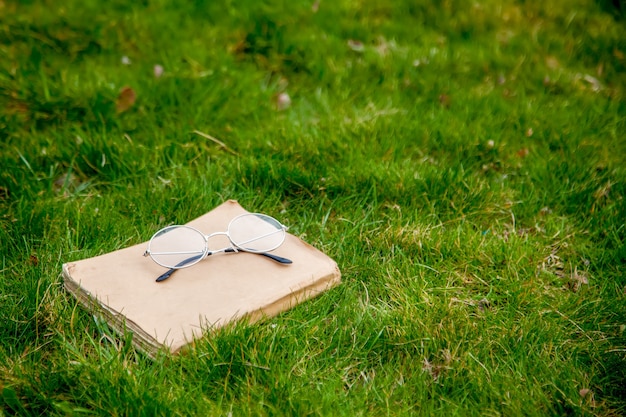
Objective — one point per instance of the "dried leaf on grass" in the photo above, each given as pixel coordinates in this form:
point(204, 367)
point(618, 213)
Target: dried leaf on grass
point(282, 101)
point(158, 71)
point(436, 369)
point(574, 279)
point(444, 100)
point(552, 263)
point(577, 280)
point(356, 46)
point(586, 393)
point(69, 184)
point(66, 181)
point(125, 99)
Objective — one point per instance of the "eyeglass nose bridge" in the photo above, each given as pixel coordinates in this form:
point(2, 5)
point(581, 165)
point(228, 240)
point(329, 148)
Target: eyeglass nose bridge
point(230, 242)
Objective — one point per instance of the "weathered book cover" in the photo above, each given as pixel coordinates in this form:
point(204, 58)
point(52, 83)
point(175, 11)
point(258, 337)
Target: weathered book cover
point(222, 288)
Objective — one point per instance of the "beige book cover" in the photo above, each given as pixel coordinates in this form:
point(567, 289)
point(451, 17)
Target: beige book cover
point(212, 293)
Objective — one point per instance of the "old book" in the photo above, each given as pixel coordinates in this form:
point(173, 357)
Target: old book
point(121, 287)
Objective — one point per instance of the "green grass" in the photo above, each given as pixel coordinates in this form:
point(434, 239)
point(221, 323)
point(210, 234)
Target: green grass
point(463, 162)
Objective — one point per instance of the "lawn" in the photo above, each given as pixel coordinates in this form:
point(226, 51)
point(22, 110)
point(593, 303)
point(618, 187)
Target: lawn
point(464, 163)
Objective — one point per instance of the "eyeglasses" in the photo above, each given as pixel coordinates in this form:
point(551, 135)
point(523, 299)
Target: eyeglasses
point(177, 247)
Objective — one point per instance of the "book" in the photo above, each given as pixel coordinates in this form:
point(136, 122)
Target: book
point(120, 286)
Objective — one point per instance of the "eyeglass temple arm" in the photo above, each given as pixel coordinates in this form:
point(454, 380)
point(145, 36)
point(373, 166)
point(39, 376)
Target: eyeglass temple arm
point(184, 262)
point(273, 257)
point(179, 265)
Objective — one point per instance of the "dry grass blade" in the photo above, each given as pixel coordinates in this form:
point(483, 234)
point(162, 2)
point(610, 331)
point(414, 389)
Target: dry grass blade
point(217, 141)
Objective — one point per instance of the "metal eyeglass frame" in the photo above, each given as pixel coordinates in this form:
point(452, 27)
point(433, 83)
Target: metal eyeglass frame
point(234, 248)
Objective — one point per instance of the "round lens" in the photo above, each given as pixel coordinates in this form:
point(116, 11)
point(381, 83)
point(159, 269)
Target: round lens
point(256, 232)
point(177, 246)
